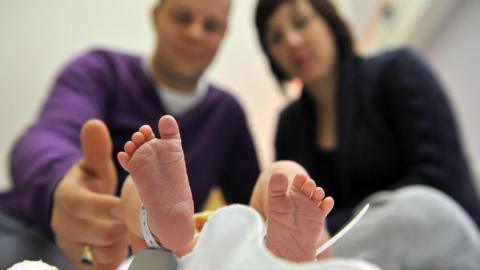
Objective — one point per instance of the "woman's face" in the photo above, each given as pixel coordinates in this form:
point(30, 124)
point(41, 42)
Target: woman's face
point(300, 41)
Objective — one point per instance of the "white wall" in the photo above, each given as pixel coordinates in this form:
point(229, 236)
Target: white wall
point(453, 49)
point(37, 37)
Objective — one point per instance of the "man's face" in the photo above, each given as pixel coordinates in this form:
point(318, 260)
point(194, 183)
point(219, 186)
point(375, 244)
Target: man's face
point(189, 32)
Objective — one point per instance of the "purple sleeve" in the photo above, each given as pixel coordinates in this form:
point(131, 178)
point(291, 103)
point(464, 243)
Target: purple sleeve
point(243, 168)
point(48, 149)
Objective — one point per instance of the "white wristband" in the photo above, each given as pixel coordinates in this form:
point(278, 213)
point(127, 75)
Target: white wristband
point(147, 234)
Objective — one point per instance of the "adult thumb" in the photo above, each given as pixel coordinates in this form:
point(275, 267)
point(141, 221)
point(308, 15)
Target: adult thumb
point(97, 154)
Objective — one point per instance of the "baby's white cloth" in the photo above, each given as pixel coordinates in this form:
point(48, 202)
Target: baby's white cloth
point(233, 239)
point(32, 265)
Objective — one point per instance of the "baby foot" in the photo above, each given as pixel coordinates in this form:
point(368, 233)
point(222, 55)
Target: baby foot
point(157, 167)
point(296, 217)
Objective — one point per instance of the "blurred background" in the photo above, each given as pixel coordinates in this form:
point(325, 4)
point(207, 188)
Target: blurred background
point(38, 37)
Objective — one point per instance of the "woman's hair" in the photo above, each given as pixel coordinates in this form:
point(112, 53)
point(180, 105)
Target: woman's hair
point(339, 29)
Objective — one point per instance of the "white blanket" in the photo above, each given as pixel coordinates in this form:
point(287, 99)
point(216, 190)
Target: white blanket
point(233, 239)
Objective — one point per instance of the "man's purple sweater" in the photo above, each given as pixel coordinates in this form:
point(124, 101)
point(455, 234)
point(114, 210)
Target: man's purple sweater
point(114, 87)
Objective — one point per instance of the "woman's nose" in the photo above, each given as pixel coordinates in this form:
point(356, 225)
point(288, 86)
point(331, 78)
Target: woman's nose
point(293, 38)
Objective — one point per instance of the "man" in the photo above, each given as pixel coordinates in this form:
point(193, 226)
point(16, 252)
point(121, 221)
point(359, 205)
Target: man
point(67, 186)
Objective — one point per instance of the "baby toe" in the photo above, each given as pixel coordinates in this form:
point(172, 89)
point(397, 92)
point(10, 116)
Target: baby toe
point(130, 148)
point(318, 195)
point(309, 187)
point(138, 138)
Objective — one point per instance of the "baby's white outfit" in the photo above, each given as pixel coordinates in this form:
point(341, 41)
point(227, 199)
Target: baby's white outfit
point(233, 239)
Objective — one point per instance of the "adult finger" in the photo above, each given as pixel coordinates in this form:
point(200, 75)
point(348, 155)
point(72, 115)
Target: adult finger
point(86, 204)
point(97, 232)
point(73, 251)
point(111, 254)
point(97, 154)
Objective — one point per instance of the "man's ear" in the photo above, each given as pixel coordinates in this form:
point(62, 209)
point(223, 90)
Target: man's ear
point(154, 14)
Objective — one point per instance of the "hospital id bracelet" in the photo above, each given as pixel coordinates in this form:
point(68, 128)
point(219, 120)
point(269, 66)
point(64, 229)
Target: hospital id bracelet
point(147, 234)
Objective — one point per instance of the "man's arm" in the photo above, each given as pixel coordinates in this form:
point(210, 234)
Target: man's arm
point(48, 149)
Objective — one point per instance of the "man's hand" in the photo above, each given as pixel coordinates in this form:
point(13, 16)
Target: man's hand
point(85, 209)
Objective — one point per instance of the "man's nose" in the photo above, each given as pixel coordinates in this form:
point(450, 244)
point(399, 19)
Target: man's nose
point(194, 31)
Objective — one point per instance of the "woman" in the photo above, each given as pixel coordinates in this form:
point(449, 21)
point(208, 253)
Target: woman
point(361, 125)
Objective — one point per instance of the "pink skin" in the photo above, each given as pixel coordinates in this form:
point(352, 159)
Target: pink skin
point(157, 167)
point(296, 217)
point(296, 214)
point(189, 33)
point(301, 42)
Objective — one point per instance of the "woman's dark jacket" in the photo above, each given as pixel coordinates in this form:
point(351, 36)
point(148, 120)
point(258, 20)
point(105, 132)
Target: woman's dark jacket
point(394, 128)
